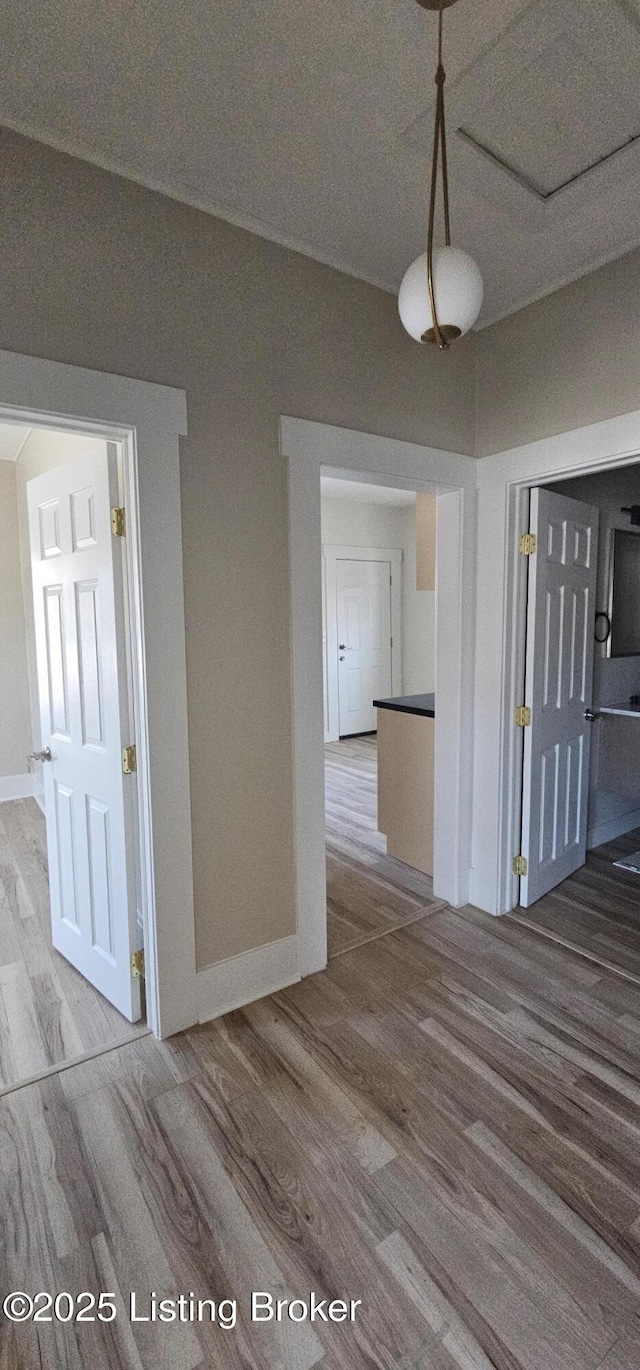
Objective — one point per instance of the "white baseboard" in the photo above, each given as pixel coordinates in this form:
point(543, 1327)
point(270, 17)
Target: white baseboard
point(16, 787)
point(38, 794)
point(612, 828)
point(251, 975)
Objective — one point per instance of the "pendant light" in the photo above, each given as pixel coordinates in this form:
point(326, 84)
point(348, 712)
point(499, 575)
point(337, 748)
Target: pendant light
point(441, 292)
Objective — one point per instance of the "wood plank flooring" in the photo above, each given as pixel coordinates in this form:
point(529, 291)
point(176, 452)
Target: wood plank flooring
point(48, 1012)
point(368, 892)
point(597, 910)
point(444, 1124)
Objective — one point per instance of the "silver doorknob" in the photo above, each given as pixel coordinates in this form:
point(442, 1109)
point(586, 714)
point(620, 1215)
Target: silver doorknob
point(342, 646)
point(591, 716)
point(44, 755)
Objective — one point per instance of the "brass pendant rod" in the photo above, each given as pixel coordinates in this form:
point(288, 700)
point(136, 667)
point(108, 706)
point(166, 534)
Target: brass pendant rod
point(445, 174)
point(439, 146)
point(438, 337)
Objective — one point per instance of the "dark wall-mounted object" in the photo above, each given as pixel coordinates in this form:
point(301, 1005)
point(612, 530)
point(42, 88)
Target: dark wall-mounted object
point(625, 594)
point(634, 511)
point(602, 627)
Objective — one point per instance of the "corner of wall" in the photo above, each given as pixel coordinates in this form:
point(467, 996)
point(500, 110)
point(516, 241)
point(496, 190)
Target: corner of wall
point(476, 395)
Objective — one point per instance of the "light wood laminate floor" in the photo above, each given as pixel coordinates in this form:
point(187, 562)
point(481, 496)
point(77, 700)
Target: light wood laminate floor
point(444, 1124)
point(368, 892)
point(597, 910)
point(48, 1012)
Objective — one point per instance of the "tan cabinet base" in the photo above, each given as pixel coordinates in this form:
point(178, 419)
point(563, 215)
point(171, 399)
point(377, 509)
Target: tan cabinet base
point(405, 786)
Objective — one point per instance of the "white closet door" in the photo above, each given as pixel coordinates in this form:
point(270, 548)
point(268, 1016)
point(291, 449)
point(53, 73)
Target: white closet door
point(364, 641)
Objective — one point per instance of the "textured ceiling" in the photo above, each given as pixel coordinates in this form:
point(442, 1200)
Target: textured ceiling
point(586, 119)
point(311, 123)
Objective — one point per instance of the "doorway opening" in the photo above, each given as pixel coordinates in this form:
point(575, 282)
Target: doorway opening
point(310, 450)
point(378, 652)
point(71, 869)
point(581, 744)
point(144, 420)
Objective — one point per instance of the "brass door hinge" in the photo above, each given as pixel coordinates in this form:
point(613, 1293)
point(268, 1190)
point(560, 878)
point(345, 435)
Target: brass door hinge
point(528, 544)
point(118, 523)
point(129, 760)
point(519, 865)
point(137, 964)
point(523, 716)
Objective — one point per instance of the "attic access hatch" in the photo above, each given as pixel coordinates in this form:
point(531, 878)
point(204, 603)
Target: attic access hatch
point(546, 122)
point(556, 121)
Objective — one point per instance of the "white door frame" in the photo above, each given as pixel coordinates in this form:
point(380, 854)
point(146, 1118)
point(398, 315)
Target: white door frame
point(146, 420)
point(309, 449)
point(504, 481)
point(331, 554)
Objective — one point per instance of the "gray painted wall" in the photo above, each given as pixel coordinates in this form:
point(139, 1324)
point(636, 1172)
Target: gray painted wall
point(569, 360)
point(99, 272)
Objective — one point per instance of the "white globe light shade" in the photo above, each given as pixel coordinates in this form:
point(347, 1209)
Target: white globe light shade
point(457, 287)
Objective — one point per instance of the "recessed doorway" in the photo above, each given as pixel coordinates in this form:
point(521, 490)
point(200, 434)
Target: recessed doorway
point(581, 736)
point(378, 643)
point(70, 905)
point(312, 450)
point(140, 422)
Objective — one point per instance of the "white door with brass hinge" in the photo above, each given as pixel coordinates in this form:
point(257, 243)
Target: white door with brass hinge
point(558, 690)
point(77, 572)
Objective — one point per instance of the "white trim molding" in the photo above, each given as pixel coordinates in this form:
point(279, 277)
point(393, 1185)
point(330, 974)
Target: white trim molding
point(251, 975)
point(331, 554)
point(312, 449)
point(38, 793)
point(16, 787)
point(504, 482)
point(146, 420)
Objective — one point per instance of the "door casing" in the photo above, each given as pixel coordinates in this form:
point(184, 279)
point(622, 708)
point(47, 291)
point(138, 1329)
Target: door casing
point(504, 484)
point(146, 421)
point(480, 641)
point(310, 450)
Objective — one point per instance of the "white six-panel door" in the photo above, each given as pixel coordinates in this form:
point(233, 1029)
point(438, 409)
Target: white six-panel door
point(558, 690)
point(364, 641)
point(80, 646)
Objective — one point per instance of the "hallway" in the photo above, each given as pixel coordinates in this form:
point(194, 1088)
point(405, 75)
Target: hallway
point(443, 1124)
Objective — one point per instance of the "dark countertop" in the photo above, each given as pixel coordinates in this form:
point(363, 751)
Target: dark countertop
point(409, 704)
